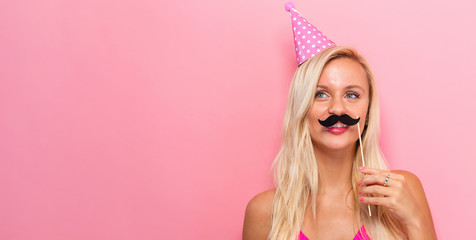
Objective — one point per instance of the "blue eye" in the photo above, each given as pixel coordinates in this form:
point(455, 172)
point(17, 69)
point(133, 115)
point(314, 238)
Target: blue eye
point(322, 94)
point(318, 94)
point(354, 94)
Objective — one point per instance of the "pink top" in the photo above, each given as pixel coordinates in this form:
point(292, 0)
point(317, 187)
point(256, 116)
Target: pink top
point(361, 235)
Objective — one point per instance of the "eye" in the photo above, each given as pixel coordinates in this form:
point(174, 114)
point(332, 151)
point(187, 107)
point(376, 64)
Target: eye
point(353, 95)
point(320, 94)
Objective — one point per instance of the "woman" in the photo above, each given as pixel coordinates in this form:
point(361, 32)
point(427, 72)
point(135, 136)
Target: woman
point(323, 190)
point(320, 191)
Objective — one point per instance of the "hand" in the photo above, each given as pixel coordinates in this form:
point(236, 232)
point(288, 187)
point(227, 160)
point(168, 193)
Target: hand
point(396, 195)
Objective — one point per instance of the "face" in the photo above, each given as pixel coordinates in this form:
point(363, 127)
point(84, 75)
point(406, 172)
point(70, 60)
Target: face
point(342, 88)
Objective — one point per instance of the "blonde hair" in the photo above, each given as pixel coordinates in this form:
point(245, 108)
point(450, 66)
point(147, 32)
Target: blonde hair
point(296, 172)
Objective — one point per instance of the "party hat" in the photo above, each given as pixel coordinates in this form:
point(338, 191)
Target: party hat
point(308, 39)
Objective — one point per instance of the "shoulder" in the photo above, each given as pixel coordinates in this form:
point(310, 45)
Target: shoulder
point(257, 223)
point(411, 179)
point(416, 187)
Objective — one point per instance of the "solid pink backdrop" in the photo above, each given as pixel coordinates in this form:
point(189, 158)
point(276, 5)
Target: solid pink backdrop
point(160, 120)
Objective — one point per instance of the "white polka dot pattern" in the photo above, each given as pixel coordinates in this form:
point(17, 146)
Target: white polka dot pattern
point(314, 41)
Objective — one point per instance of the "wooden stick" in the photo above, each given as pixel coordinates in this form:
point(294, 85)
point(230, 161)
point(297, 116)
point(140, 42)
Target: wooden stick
point(362, 153)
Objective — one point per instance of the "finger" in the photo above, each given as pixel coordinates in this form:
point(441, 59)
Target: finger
point(376, 189)
point(382, 201)
point(375, 179)
point(370, 171)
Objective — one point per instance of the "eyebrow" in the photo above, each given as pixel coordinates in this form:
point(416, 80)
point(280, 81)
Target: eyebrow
point(348, 87)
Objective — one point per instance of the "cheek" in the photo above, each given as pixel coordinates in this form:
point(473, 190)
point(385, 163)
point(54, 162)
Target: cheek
point(363, 109)
point(315, 114)
point(313, 120)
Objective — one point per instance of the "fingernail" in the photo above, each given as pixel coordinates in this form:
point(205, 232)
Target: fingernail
point(362, 199)
point(360, 191)
point(361, 168)
point(360, 182)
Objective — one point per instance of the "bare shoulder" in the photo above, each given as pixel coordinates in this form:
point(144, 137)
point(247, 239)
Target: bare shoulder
point(417, 190)
point(411, 179)
point(257, 223)
point(413, 182)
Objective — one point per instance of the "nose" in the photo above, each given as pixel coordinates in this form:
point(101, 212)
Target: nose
point(337, 107)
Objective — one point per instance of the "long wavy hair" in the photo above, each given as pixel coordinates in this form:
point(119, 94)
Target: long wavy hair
point(296, 172)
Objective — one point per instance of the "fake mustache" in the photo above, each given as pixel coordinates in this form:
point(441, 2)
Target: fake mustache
point(344, 118)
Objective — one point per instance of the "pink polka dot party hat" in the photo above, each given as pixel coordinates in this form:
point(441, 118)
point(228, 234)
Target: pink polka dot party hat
point(308, 39)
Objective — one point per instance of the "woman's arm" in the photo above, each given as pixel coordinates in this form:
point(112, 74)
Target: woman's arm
point(257, 223)
point(403, 195)
point(422, 227)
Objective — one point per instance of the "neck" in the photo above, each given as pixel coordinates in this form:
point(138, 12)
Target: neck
point(335, 169)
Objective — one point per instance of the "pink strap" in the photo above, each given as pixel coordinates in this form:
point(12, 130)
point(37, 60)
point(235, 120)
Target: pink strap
point(361, 235)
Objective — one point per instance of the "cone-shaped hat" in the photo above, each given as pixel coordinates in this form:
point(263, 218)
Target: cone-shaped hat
point(308, 39)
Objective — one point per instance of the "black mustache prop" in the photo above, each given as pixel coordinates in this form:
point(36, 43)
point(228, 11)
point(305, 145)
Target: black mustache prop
point(344, 118)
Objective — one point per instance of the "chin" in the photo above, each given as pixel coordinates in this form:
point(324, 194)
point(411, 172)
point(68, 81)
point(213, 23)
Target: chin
point(337, 144)
point(336, 147)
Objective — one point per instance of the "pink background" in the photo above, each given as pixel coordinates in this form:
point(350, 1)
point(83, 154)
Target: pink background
point(154, 120)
